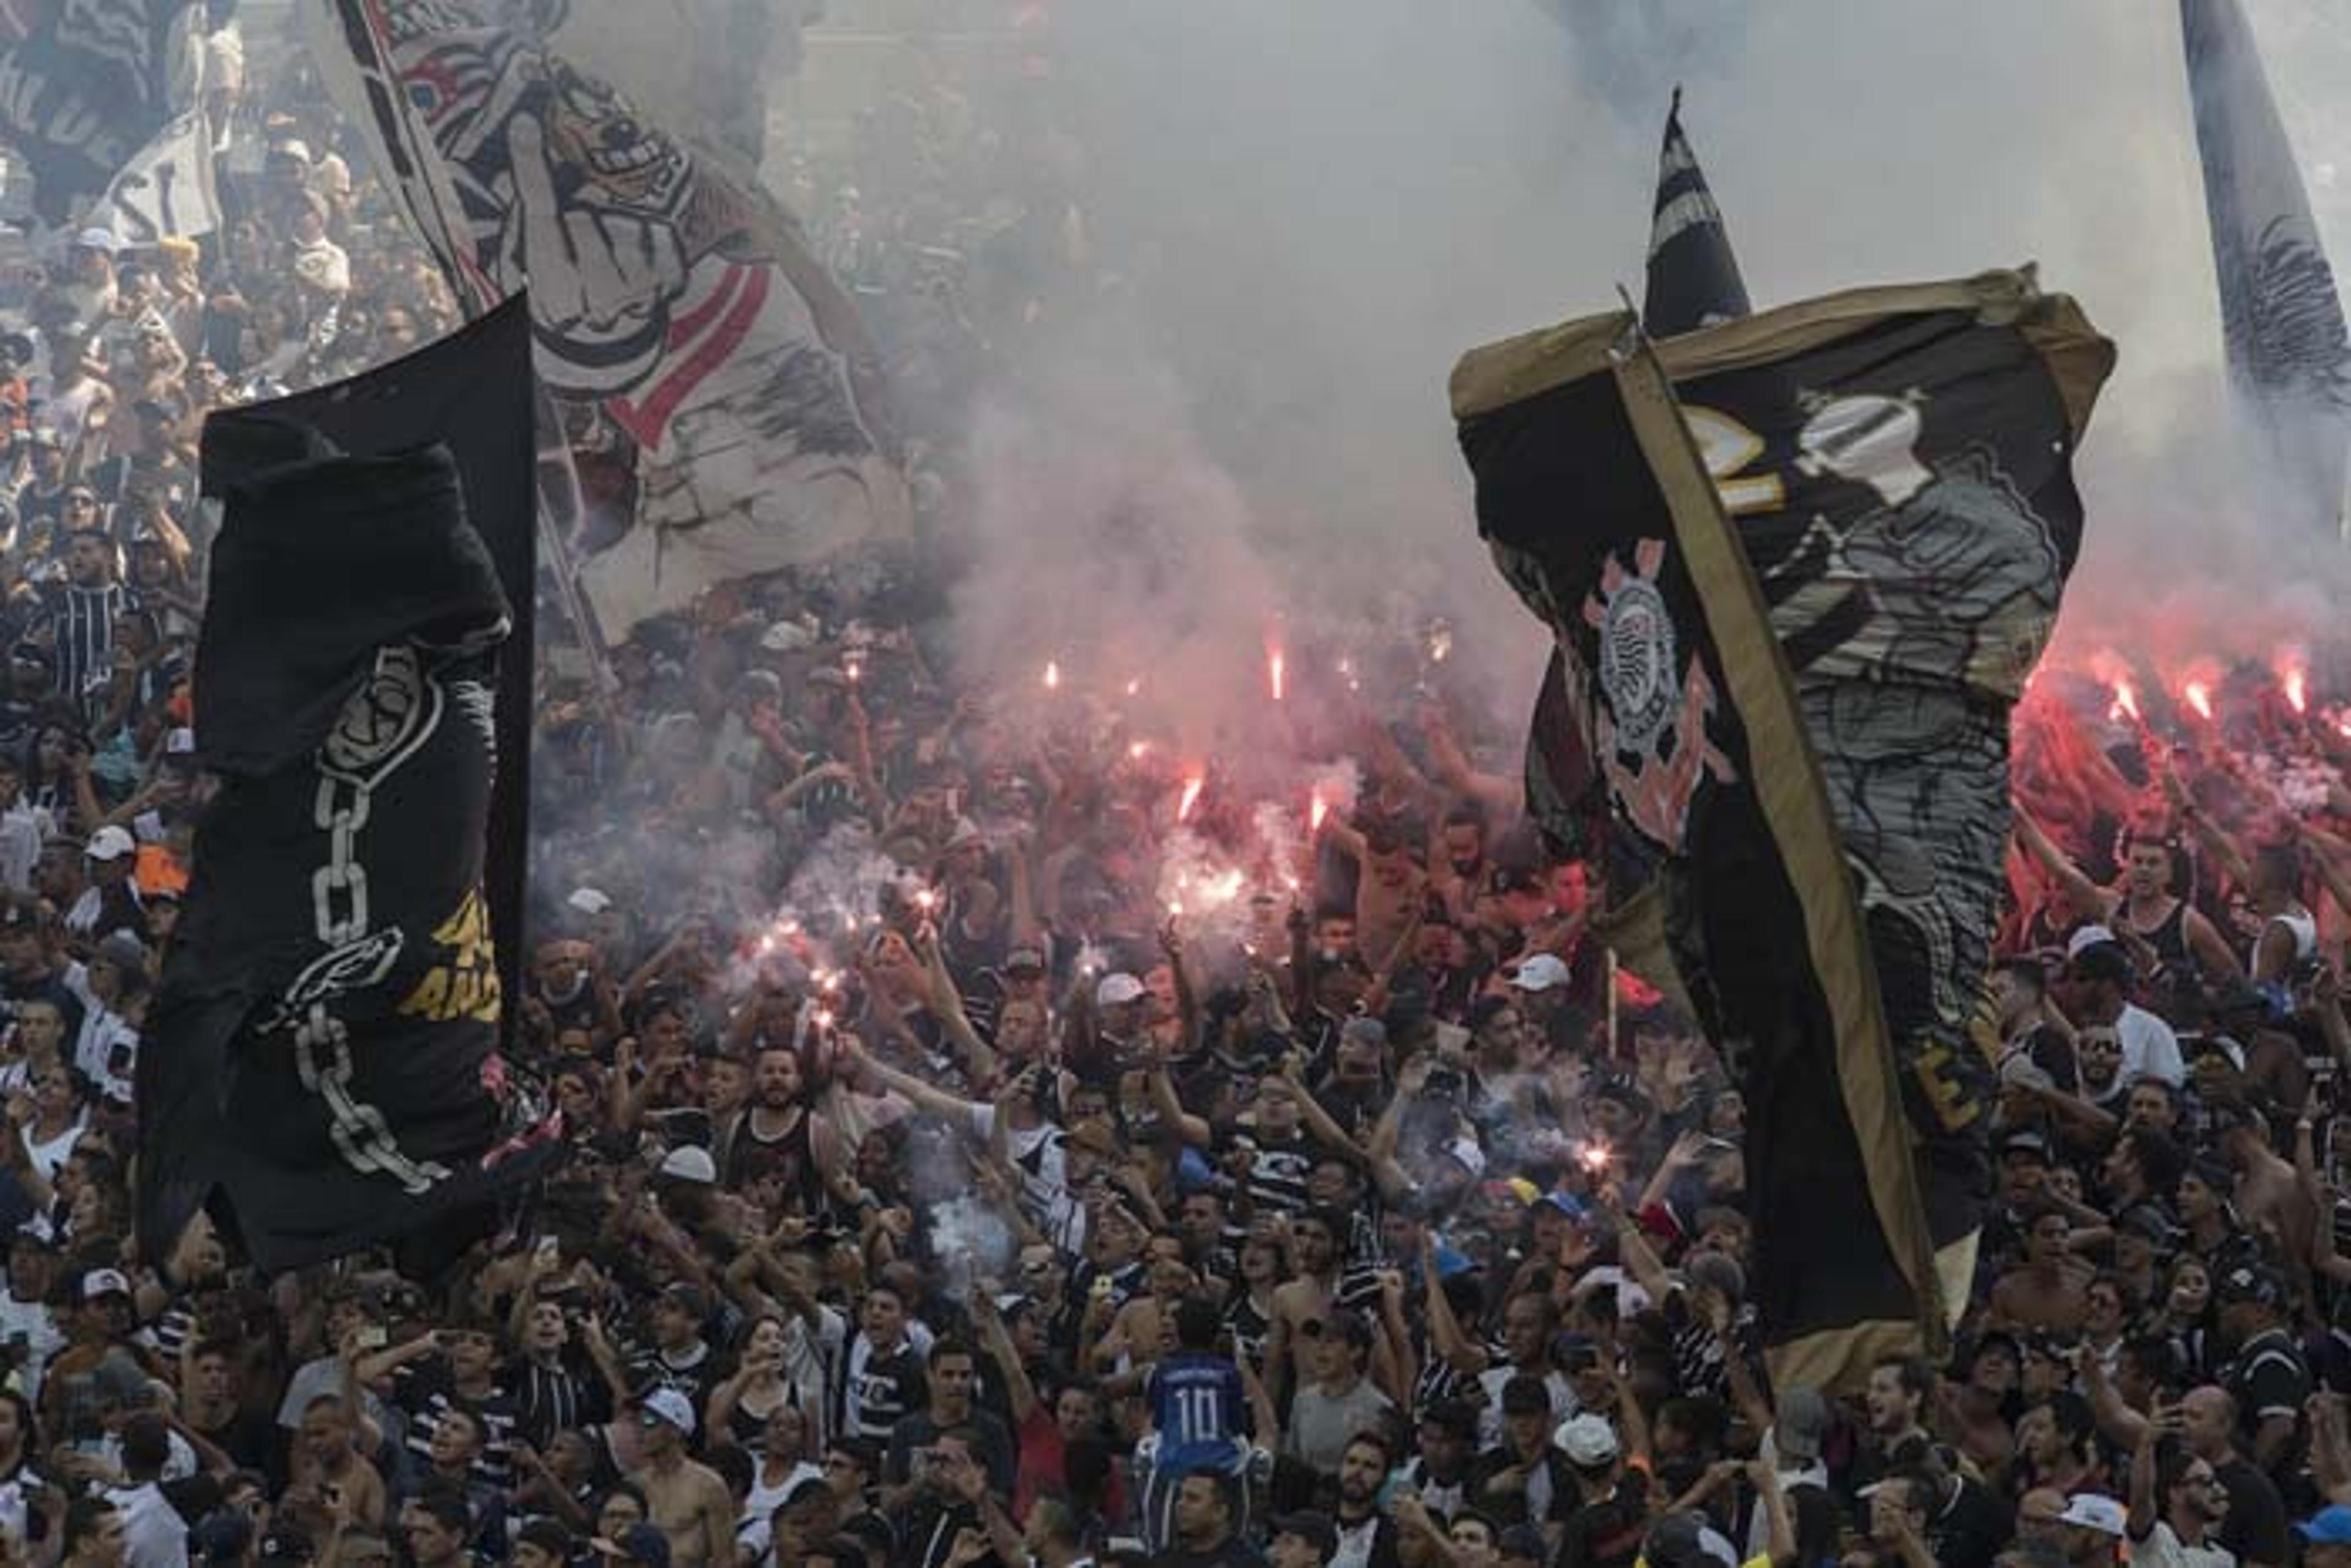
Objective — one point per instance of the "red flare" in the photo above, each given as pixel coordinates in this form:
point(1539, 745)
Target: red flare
point(1317, 809)
point(2199, 695)
point(2125, 702)
point(1191, 798)
point(1052, 674)
point(2296, 680)
point(1274, 672)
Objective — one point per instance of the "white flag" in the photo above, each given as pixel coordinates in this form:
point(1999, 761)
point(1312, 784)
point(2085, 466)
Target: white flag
point(167, 188)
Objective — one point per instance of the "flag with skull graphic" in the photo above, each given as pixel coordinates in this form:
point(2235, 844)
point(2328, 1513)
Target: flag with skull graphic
point(1798, 567)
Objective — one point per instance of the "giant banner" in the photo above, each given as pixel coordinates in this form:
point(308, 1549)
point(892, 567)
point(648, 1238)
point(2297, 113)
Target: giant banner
point(1819, 792)
point(677, 306)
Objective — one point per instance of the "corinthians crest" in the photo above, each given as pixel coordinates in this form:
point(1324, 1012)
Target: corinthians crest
point(1654, 702)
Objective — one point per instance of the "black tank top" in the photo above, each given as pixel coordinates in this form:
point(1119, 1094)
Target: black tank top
point(2168, 939)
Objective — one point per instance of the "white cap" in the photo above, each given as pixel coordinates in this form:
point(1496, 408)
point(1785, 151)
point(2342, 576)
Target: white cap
point(2086, 937)
point(690, 1162)
point(110, 843)
point(671, 1407)
point(786, 637)
point(1588, 1441)
point(97, 239)
point(1117, 990)
point(1540, 973)
point(1465, 1150)
point(103, 1282)
point(2091, 1511)
point(589, 901)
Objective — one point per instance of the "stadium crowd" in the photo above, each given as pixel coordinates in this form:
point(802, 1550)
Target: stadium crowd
point(991, 1144)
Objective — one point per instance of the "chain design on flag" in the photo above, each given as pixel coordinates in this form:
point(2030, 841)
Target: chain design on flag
point(359, 1129)
point(382, 723)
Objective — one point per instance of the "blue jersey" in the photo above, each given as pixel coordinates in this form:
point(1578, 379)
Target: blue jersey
point(1199, 1410)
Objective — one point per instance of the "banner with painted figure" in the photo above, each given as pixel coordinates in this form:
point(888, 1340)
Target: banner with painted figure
point(2289, 353)
point(1824, 794)
point(325, 1073)
point(700, 68)
point(85, 85)
point(681, 307)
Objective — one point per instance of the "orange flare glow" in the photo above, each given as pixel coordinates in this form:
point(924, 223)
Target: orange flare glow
point(1190, 799)
point(2199, 697)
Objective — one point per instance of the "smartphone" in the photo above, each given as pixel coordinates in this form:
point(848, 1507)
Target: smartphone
point(370, 1336)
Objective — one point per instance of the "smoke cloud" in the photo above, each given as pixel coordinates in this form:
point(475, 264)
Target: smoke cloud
point(1320, 204)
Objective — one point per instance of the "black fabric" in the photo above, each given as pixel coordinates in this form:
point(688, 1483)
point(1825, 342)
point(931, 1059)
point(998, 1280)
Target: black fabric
point(324, 1071)
point(87, 88)
point(472, 391)
point(1928, 470)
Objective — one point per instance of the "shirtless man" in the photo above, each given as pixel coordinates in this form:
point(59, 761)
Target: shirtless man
point(2269, 1195)
point(687, 1501)
point(327, 1469)
point(1311, 1298)
point(2048, 1292)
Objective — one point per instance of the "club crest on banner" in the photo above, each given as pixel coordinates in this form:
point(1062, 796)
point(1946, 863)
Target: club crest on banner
point(1655, 704)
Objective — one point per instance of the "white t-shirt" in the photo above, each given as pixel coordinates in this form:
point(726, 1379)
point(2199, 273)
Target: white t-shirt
point(2150, 1047)
point(153, 1532)
point(2164, 1549)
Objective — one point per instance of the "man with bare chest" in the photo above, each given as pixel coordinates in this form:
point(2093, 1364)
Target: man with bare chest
point(687, 1501)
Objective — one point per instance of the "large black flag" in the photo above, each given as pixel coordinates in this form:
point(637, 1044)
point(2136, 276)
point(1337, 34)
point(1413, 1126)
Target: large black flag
point(472, 393)
point(1693, 282)
point(1822, 798)
point(85, 84)
point(2289, 351)
point(324, 1073)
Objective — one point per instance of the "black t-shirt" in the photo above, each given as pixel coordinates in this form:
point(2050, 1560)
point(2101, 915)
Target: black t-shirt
point(2256, 1526)
point(1969, 1529)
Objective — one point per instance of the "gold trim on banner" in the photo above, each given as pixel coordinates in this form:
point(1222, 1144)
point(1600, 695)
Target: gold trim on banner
point(2077, 358)
point(1788, 785)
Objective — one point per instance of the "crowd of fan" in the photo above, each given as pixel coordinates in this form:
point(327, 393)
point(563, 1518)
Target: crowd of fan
point(937, 1196)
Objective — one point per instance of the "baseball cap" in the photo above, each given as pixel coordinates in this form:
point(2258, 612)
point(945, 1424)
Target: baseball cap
point(2086, 937)
point(2251, 1283)
point(2328, 1527)
point(1311, 1526)
point(589, 900)
point(103, 1282)
point(1023, 959)
point(2089, 1511)
point(1117, 990)
point(1540, 973)
point(1588, 1441)
point(1801, 1425)
point(690, 1162)
point(1685, 1540)
point(97, 239)
point(804, 1478)
point(110, 843)
point(666, 1404)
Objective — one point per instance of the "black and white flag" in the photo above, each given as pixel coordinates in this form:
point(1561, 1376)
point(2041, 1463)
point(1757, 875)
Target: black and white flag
point(1693, 277)
point(87, 85)
point(2289, 354)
